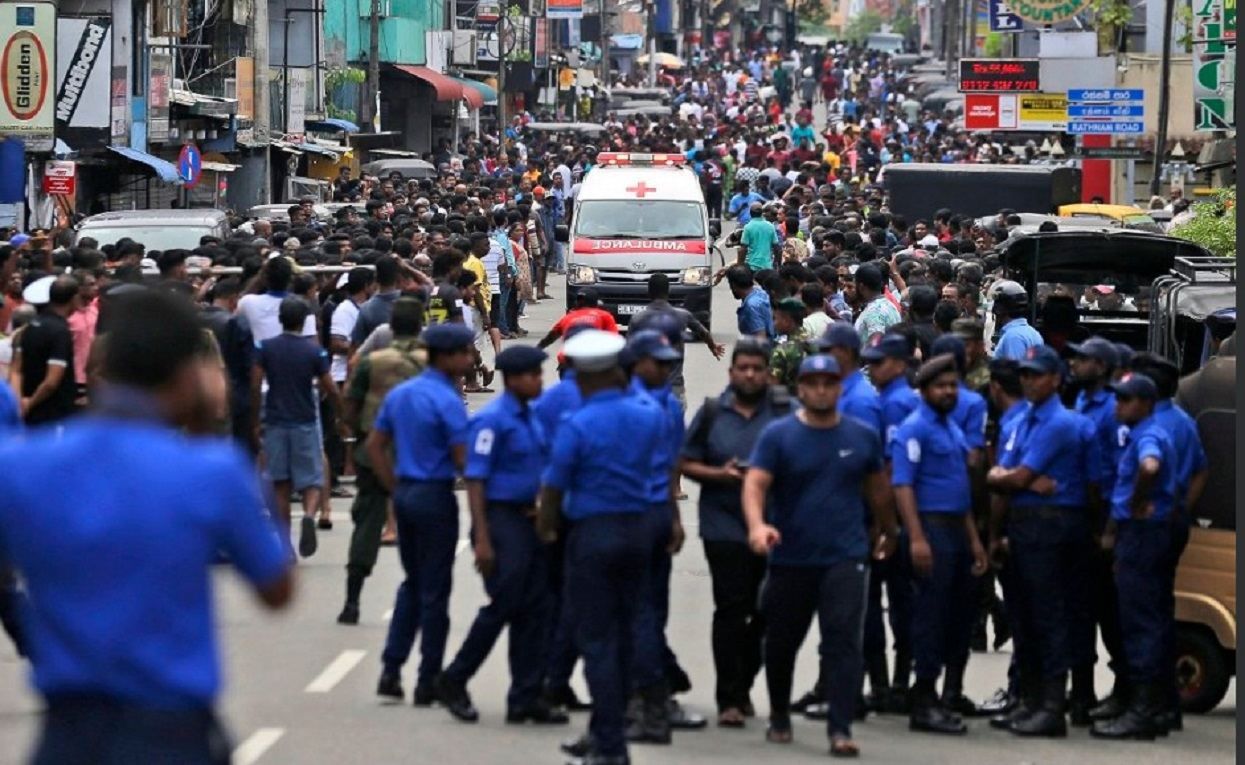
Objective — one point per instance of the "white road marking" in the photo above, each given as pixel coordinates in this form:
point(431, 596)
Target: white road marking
point(335, 671)
point(462, 545)
point(249, 751)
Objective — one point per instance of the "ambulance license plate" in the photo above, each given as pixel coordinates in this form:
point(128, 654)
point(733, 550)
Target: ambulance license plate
point(629, 310)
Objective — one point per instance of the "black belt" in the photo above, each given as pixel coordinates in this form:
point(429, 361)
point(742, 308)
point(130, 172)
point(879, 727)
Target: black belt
point(943, 519)
point(1041, 512)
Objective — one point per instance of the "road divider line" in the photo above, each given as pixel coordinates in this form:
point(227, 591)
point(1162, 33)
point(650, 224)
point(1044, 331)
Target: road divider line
point(259, 742)
point(335, 671)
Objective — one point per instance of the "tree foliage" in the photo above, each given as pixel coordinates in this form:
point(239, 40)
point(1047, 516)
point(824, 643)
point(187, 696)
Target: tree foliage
point(1213, 224)
point(860, 27)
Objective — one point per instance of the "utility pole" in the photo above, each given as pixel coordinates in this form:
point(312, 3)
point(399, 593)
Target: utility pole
point(372, 91)
point(1165, 96)
point(652, 44)
point(951, 35)
point(259, 51)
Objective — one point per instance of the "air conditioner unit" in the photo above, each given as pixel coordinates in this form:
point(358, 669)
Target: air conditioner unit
point(463, 52)
point(365, 9)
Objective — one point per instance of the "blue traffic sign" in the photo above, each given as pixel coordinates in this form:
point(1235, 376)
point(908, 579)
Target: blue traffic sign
point(1106, 95)
point(1106, 110)
point(1002, 19)
point(1106, 127)
point(190, 165)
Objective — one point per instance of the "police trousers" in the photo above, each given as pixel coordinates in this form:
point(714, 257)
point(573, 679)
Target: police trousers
point(1050, 551)
point(368, 513)
point(895, 574)
point(518, 598)
point(560, 651)
point(836, 594)
point(98, 730)
point(943, 603)
point(606, 557)
point(649, 640)
point(738, 626)
point(427, 519)
point(1147, 604)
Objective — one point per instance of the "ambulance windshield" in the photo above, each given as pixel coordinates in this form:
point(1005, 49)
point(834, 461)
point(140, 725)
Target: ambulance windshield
point(658, 219)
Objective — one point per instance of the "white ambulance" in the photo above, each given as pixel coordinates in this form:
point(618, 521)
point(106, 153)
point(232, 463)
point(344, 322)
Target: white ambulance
point(634, 216)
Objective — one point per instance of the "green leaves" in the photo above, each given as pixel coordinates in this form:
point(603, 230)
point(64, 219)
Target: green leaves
point(1214, 224)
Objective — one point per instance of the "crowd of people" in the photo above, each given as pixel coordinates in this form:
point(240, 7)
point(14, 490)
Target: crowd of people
point(892, 424)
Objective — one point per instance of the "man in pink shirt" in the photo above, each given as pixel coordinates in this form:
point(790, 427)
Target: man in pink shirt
point(82, 326)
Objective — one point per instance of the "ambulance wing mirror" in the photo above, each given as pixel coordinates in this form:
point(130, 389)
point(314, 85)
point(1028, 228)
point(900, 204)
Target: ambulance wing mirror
point(562, 233)
point(715, 227)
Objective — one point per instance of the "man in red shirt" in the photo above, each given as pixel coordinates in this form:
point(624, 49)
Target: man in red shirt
point(587, 312)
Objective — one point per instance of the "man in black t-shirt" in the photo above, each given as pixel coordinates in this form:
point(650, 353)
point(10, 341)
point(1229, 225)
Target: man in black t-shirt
point(48, 386)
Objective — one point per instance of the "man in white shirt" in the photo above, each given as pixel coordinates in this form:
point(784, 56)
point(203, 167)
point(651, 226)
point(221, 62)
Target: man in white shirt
point(261, 311)
point(358, 283)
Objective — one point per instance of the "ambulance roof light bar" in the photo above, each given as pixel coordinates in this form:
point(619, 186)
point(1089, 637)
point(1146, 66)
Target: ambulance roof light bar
point(624, 159)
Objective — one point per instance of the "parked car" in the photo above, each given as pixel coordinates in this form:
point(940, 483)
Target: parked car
point(156, 229)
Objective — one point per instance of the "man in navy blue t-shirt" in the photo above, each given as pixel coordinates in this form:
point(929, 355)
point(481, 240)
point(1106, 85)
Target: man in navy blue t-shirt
point(818, 470)
point(292, 363)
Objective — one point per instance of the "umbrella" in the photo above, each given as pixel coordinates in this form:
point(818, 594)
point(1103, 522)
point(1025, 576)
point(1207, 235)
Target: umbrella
point(664, 60)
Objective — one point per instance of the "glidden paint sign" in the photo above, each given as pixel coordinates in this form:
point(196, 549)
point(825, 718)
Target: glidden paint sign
point(27, 57)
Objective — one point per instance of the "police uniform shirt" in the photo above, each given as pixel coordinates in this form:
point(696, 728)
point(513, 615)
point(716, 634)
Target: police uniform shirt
point(1016, 337)
point(1182, 430)
point(556, 403)
point(1146, 439)
point(667, 456)
point(1109, 433)
point(971, 414)
point(1058, 443)
point(114, 526)
point(929, 454)
point(602, 456)
point(426, 418)
point(898, 400)
point(860, 400)
point(1009, 425)
point(508, 450)
point(817, 499)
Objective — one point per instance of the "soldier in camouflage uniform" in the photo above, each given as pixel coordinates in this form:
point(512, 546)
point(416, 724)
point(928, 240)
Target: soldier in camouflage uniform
point(973, 333)
point(791, 347)
point(376, 374)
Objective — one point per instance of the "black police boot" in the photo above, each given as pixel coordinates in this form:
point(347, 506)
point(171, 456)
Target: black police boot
point(1002, 702)
point(390, 686)
point(897, 703)
point(1137, 722)
point(1168, 720)
point(928, 715)
point(424, 696)
point(565, 697)
point(879, 685)
point(1082, 698)
point(953, 698)
point(1047, 720)
point(579, 747)
point(650, 717)
point(350, 611)
point(1114, 705)
point(453, 695)
point(538, 713)
point(1027, 700)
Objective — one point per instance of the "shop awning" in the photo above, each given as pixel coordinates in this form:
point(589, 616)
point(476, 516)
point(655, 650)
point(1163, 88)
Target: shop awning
point(204, 105)
point(488, 96)
point(164, 169)
point(331, 124)
point(447, 88)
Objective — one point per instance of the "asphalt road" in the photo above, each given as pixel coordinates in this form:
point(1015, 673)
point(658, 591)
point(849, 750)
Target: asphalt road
point(300, 688)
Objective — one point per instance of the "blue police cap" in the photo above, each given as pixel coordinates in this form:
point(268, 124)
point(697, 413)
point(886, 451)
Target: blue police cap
point(840, 334)
point(651, 343)
point(1135, 385)
point(819, 364)
point(1042, 359)
point(520, 358)
point(1097, 348)
point(447, 337)
point(888, 346)
point(1123, 354)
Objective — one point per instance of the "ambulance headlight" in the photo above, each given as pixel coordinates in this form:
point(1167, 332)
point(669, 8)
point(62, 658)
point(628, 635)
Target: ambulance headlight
point(696, 277)
point(581, 275)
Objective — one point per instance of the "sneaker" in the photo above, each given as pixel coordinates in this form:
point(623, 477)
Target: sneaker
point(307, 543)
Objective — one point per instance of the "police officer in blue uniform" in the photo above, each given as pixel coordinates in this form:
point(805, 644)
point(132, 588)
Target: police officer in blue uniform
point(1191, 476)
point(1142, 505)
point(888, 358)
point(1092, 364)
point(1047, 476)
point(929, 458)
point(601, 465)
point(506, 453)
point(1011, 308)
point(859, 400)
point(114, 552)
point(650, 356)
point(425, 422)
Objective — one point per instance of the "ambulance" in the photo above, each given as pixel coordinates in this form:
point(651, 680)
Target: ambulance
point(634, 216)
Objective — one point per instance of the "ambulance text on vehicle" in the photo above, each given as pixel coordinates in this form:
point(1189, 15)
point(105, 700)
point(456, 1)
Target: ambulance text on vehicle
point(637, 215)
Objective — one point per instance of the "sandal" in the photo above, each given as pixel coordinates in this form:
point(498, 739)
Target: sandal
point(777, 734)
point(731, 717)
point(841, 746)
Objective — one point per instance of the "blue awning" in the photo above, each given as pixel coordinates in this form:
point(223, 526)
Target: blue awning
point(166, 170)
point(486, 92)
point(333, 123)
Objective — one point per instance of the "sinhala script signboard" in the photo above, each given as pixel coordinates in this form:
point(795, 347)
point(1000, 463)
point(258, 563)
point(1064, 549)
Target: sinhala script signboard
point(27, 72)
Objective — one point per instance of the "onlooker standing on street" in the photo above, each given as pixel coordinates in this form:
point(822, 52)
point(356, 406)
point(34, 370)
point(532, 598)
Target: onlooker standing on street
point(127, 659)
point(293, 454)
point(48, 389)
